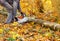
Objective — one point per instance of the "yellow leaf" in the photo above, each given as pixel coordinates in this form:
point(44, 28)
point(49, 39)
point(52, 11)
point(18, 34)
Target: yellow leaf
point(1, 30)
point(16, 35)
point(15, 23)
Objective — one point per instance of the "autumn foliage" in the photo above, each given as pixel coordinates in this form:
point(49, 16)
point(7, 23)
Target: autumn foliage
point(31, 31)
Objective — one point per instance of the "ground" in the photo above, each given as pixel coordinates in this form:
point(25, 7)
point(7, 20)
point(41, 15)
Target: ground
point(30, 31)
point(27, 32)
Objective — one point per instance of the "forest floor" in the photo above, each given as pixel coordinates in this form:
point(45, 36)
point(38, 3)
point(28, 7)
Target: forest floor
point(27, 32)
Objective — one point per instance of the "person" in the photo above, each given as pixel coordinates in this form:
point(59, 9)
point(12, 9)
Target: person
point(12, 6)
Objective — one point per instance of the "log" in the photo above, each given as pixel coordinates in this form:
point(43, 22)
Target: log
point(52, 25)
point(45, 23)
